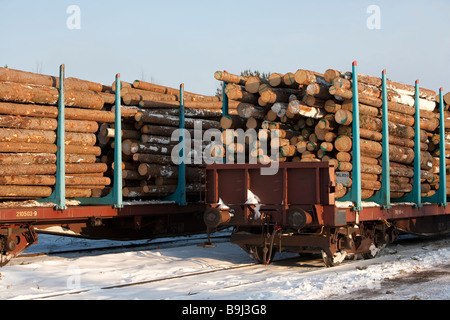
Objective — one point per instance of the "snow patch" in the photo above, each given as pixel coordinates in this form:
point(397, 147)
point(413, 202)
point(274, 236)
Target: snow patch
point(254, 199)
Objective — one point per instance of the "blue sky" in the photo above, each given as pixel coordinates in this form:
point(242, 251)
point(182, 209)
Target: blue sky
point(173, 42)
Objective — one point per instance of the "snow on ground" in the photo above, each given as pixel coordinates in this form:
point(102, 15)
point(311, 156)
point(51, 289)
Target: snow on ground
point(406, 270)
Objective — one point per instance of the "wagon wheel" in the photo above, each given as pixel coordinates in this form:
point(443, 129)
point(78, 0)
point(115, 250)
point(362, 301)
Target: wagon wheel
point(257, 253)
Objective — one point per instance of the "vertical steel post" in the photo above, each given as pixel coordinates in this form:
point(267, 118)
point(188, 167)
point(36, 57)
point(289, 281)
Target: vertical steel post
point(181, 187)
point(442, 153)
point(415, 195)
point(386, 174)
point(441, 194)
point(383, 197)
point(179, 196)
point(60, 188)
point(115, 197)
point(417, 191)
point(354, 194)
point(58, 195)
point(117, 188)
point(356, 172)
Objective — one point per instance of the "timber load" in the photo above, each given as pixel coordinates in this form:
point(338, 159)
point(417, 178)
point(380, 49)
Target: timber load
point(150, 138)
point(306, 116)
point(150, 116)
point(28, 134)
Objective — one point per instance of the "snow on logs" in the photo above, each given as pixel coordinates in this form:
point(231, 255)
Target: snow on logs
point(310, 115)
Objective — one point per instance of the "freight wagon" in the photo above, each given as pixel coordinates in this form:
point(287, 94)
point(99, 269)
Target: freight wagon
point(48, 186)
point(301, 207)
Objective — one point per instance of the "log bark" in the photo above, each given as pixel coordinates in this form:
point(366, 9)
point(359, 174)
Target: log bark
point(152, 158)
point(134, 99)
point(52, 112)
point(15, 92)
point(27, 147)
point(230, 78)
point(130, 147)
point(148, 117)
point(28, 110)
point(189, 96)
point(25, 191)
point(319, 90)
point(307, 77)
point(298, 107)
point(28, 136)
point(126, 134)
point(85, 167)
point(364, 99)
point(31, 123)
point(161, 130)
point(403, 88)
point(23, 77)
point(272, 96)
point(83, 150)
point(90, 115)
point(248, 111)
point(238, 93)
point(155, 170)
point(42, 158)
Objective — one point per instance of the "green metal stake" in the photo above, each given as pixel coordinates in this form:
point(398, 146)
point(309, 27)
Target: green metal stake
point(417, 174)
point(58, 195)
point(115, 197)
point(354, 194)
point(179, 196)
point(415, 195)
point(383, 197)
point(441, 194)
point(117, 189)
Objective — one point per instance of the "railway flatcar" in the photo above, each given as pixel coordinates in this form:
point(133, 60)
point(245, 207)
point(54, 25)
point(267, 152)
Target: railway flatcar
point(331, 207)
point(56, 182)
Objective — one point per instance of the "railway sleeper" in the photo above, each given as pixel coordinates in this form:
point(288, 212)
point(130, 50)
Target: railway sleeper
point(334, 244)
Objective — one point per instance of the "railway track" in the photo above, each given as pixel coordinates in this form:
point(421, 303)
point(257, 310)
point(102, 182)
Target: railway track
point(215, 280)
point(159, 244)
point(282, 264)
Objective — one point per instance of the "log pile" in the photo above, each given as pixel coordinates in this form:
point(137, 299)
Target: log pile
point(28, 124)
point(307, 116)
point(150, 120)
point(296, 116)
point(150, 115)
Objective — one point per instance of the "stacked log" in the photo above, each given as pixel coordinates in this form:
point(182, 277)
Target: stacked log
point(150, 116)
point(312, 119)
point(150, 124)
point(435, 147)
point(28, 124)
